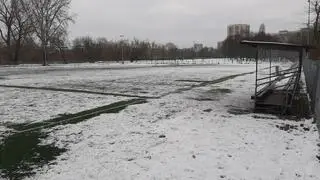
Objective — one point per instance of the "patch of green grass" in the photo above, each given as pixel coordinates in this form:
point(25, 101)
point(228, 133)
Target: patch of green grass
point(191, 80)
point(22, 152)
point(220, 91)
point(77, 91)
point(78, 117)
point(238, 111)
point(205, 83)
point(205, 99)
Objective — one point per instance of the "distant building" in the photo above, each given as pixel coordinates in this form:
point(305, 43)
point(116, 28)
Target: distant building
point(299, 37)
point(283, 32)
point(262, 29)
point(198, 47)
point(219, 44)
point(305, 33)
point(289, 36)
point(242, 30)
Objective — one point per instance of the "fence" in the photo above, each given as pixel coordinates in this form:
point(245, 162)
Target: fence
point(312, 74)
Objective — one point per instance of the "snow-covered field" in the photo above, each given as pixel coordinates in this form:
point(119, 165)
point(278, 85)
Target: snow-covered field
point(194, 128)
point(29, 106)
point(134, 81)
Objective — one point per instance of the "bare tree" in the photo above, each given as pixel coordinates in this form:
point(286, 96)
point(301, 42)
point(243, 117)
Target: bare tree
point(14, 27)
point(316, 14)
point(7, 20)
point(59, 42)
point(49, 18)
point(21, 28)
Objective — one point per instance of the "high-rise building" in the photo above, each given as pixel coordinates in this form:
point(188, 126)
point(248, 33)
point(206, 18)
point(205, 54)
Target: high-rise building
point(197, 47)
point(262, 29)
point(219, 44)
point(242, 30)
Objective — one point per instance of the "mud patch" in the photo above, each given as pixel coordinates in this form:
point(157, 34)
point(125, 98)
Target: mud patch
point(239, 111)
point(136, 89)
point(220, 91)
point(212, 95)
point(264, 117)
point(301, 107)
point(287, 127)
point(204, 99)
point(290, 128)
point(207, 110)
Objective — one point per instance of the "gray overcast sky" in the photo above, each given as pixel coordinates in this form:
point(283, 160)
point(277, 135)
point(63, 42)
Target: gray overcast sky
point(182, 21)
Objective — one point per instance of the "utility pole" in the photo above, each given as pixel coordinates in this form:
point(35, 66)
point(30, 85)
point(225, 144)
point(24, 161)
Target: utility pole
point(309, 21)
point(122, 56)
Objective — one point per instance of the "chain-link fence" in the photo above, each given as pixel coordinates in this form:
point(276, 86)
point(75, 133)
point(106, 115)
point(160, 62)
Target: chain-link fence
point(312, 74)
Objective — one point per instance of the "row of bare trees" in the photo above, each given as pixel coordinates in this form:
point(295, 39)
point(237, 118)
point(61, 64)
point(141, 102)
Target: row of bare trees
point(315, 7)
point(100, 49)
point(37, 29)
point(232, 48)
point(314, 31)
point(42, 22)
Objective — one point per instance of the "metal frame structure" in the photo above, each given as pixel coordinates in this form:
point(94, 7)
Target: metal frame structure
point(263, 97)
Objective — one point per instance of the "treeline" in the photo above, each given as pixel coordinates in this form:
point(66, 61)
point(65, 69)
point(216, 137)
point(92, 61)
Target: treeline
point(87, 48)
point(315, 35)
point(308, 36)
point(232, 48)
point(35, 31)
point(28, 28)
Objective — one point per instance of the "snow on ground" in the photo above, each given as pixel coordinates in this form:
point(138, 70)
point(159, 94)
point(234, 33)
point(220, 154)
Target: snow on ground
point(202, 132)
point(30, 106)
point(25, 68)
point(125, 64)
point(153, 81)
